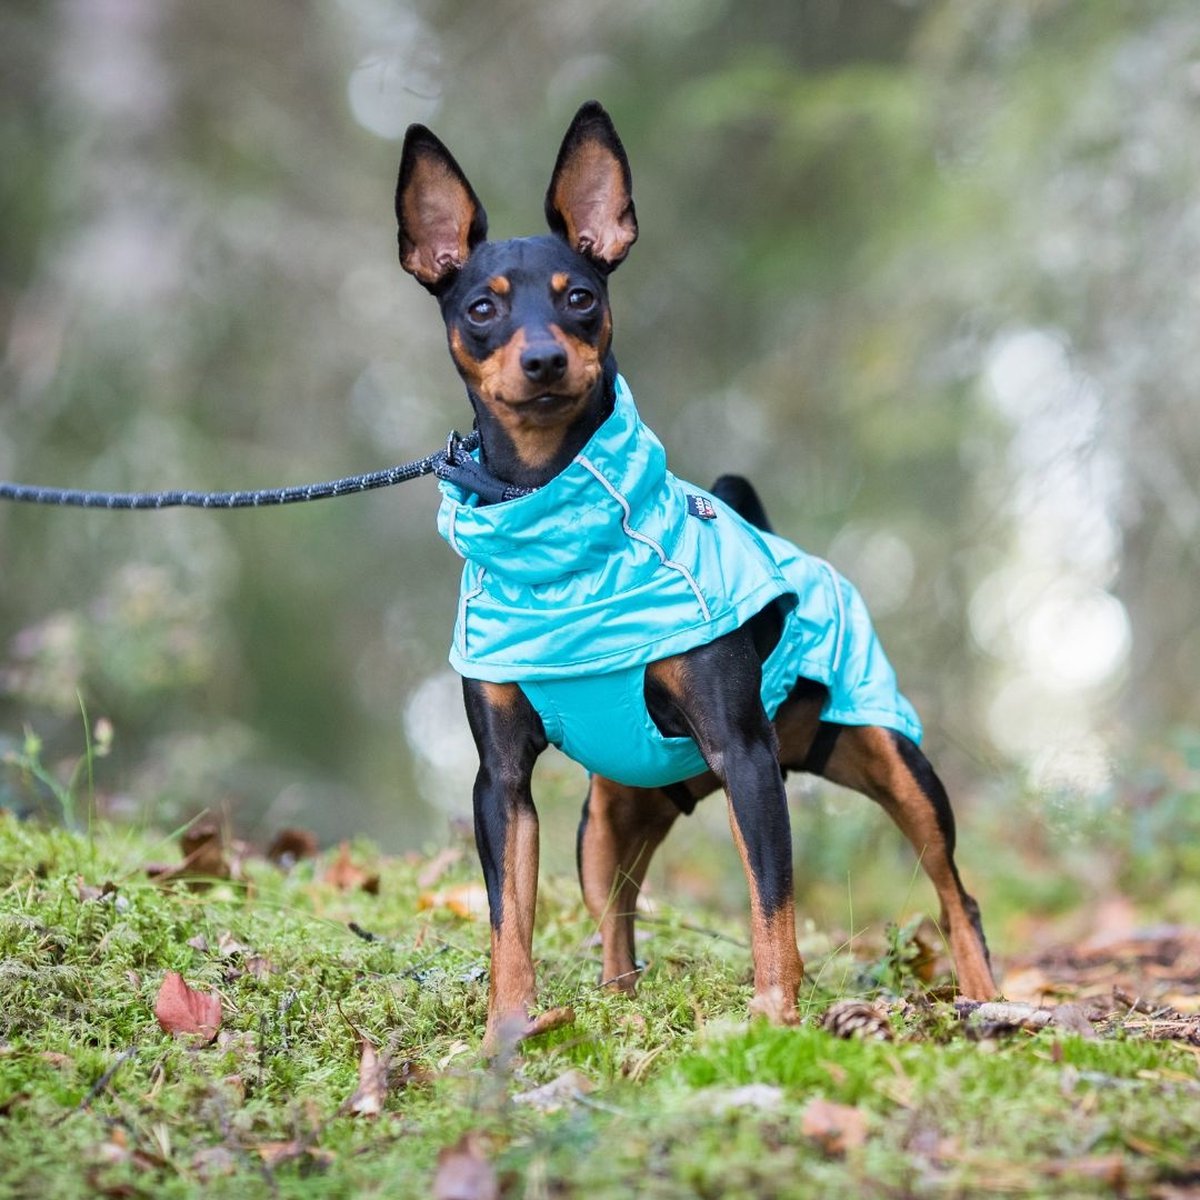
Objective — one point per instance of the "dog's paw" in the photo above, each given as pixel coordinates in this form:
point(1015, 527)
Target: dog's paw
point(776, 1005)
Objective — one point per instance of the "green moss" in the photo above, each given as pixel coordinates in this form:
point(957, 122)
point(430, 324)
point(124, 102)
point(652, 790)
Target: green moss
point(78, 977)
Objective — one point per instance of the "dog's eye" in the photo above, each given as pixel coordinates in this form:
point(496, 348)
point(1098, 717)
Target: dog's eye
point(580, 300)
point(481, 310)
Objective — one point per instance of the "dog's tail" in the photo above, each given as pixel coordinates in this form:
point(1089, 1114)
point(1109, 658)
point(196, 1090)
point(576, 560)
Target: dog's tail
point(738, 492)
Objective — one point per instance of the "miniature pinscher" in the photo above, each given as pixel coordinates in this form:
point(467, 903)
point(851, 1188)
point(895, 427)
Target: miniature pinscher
point(602, 612)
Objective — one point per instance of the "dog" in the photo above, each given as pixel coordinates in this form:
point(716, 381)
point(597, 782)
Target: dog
point(660, 634)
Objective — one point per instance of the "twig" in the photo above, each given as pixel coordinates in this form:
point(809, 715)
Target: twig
point(690, 928)
point(100, 1083)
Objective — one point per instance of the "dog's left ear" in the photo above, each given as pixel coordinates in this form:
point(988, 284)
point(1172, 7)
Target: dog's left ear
point(590, 199)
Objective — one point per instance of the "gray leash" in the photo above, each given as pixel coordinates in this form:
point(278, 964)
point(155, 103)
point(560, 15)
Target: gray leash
point(453, 462)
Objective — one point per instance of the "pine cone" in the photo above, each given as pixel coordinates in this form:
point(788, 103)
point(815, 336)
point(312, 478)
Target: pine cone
point(858, 1019)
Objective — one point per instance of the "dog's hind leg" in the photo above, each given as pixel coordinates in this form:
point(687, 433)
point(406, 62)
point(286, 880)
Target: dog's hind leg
point(891, 769)
point(620, 829)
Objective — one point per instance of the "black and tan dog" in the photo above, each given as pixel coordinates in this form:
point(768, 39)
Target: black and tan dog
point(529, 328)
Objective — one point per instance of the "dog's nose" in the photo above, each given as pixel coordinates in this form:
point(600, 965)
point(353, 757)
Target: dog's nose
point(544, 362)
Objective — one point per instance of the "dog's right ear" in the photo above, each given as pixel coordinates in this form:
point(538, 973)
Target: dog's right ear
point(440, 218)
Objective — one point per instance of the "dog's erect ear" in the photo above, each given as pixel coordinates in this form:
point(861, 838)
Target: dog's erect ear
point(441, 220)
point(590, 199)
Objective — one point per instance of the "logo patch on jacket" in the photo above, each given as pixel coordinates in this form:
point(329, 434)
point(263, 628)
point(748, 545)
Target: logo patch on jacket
point(702, 507)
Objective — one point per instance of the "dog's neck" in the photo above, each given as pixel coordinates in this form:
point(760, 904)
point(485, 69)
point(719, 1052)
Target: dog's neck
point(517, 466)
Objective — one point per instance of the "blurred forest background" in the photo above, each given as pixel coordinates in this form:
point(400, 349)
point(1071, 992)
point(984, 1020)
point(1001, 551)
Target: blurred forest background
point(929, 270)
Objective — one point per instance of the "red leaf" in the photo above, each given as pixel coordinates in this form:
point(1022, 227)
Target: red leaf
point(180, 1009)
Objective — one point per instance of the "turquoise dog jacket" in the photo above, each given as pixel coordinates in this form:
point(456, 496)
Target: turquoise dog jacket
point(615, 563)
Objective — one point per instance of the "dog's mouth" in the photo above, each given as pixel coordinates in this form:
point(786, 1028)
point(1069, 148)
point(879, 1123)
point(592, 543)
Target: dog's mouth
point(547, 405)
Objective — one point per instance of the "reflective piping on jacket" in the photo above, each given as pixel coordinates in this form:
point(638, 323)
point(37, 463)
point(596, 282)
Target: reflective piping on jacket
point(841, 615)
point(464, 600)
point(643, 538)
point(450, 533)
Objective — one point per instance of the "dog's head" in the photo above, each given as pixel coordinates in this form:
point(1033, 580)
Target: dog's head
point(527, 319)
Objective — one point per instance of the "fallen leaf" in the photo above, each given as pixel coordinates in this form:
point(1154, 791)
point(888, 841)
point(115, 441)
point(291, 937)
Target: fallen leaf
point(228, 946)
point(203, 846)
point(204, 858)
point(837, 1128)
point(56, 1059)
point(467, 900)
point(438, 865)
point(87, 891)
point(552, 1018)
point(371, 1094)
point(183, 1010)
point(463, 1173)
point(117, 1151)
point(346, 876)
point(1073, 1018)
point(276, 1153)
point(558, 1093)
point(289, 846)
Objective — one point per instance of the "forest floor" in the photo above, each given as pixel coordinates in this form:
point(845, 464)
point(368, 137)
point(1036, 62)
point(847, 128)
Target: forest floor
point(209, 1020)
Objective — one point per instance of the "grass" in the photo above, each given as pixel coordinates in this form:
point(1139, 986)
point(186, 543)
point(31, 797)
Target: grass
point(95, 1099)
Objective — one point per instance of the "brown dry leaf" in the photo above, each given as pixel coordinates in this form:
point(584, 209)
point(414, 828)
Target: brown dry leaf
point(345, 875)
point(464, 1173)
point(558, 1093)
point(87, 891)
point(371, 1094)
point(259, 967)
point(552, 1018)
point(289, 846)
point(204, 857)
point(438, 865)
point(837, 1128)
point(1108, 1169)
point(467, 900)
point(56, 1059)
point(117, 1150)
point(1073, 1018)
point(203, 846)
point(276, 1153)
point(183, 1010)
point(228, 946)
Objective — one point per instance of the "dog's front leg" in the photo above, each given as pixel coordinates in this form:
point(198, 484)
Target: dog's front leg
point(715, 690)
point(509, 737)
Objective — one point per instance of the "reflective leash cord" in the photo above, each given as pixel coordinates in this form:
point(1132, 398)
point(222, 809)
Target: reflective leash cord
point(453, 462)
